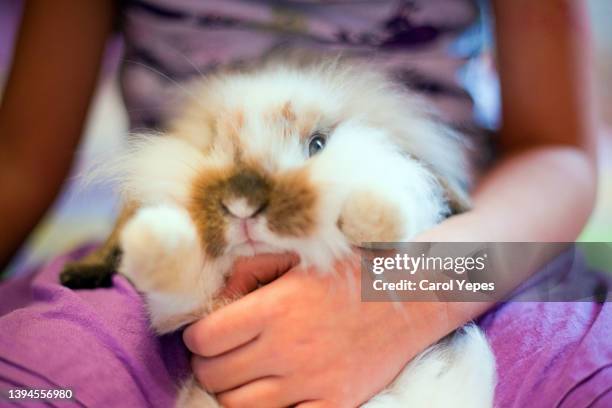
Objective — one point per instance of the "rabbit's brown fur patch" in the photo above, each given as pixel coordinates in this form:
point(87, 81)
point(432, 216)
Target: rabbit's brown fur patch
point(291, 210)
point(287, 201)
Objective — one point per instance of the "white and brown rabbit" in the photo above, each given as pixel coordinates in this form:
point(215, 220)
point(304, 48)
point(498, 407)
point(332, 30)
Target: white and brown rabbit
point(306, 157)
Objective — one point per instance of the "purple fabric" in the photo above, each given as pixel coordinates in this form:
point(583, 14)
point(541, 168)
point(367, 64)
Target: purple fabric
point(552, 354)
point(95, 342)
point(98, 344)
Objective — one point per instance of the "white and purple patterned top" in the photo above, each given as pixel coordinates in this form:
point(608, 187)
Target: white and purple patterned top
point(425, 43)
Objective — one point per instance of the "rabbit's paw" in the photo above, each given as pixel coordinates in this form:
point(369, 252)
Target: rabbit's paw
point(367, 218)
point(156, 244)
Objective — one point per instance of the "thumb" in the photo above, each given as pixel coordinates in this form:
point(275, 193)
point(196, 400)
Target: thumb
point(250, 273)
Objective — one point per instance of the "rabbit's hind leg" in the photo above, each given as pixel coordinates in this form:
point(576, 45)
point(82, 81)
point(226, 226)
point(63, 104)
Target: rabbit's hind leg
point(97, 268)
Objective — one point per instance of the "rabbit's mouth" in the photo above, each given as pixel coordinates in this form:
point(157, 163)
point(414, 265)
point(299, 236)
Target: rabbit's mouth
point(247, 236)
point(246, 231)
point(245, 226)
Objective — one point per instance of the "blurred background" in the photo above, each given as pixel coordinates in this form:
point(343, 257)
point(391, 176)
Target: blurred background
point(85, 213)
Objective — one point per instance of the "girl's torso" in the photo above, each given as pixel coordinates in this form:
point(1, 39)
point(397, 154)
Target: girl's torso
point(424, 43)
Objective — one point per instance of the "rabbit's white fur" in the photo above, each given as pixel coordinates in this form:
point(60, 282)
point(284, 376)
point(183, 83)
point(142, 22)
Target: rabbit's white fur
point(388, 172)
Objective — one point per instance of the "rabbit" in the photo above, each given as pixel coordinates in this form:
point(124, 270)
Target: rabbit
point(314, 158)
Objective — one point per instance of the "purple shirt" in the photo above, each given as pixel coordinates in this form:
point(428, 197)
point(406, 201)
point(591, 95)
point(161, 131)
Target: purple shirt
point(424, 43)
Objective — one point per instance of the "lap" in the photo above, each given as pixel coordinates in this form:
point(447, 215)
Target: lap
point(554, 353)
point(551, 354)
point(97, 343)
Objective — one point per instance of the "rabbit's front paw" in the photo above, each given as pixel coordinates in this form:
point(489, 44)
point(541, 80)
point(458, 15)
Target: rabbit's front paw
point(156, 244)
point(367, 218)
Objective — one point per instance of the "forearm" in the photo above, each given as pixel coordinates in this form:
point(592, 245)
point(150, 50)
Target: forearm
point(538, 195)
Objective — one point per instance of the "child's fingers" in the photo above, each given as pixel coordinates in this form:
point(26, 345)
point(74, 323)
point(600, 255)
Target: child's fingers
point(224, 330)
point(250, 273)
point(239, 322)
point(230, 370)
point(227, 328)
point(266, 392)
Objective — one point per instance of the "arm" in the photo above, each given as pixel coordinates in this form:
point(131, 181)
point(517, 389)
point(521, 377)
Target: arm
point(245, 351)
point(547, 137)
point(45, 102)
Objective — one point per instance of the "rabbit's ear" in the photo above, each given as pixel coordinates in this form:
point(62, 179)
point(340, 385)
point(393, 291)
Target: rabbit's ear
point(456, 195)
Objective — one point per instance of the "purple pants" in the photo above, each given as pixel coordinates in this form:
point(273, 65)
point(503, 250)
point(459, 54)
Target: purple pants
point(98, 344)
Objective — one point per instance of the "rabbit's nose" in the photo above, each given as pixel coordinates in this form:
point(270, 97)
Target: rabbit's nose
point(241, 208)
point(247, 193)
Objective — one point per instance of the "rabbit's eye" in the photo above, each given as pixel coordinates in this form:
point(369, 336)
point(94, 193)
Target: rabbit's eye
point(316, 144)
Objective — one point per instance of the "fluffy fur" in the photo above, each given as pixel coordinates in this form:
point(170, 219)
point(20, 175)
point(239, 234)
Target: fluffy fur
point(232, 176)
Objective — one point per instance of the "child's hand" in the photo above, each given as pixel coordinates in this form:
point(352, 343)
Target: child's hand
point(305, 338)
